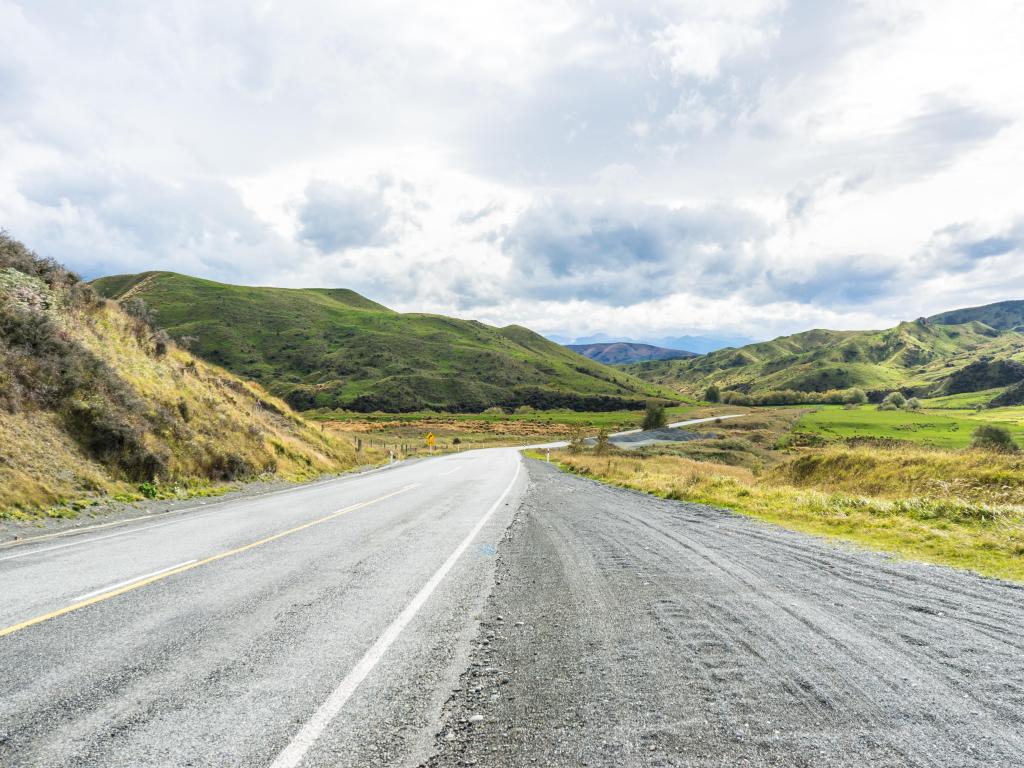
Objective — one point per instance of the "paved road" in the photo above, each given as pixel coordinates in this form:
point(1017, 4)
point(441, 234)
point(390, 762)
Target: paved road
point(240, 655)
point(337, 624)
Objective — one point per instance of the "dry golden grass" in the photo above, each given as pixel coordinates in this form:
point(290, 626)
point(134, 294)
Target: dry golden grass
point(907, 471)
point(986, 538)
point(206, 413)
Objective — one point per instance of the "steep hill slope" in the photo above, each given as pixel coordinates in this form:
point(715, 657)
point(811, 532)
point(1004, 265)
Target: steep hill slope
point(924, 357)
point(1003, 316)
point(320, 348)
point(93, 401)
point(623, 352)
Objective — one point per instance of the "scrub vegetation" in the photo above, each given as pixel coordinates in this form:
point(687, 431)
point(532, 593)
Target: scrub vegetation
point(94, 402)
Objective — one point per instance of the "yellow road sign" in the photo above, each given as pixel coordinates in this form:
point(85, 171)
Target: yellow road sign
point(431, 439)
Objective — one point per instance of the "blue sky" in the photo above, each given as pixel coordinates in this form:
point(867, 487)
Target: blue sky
point(644, 171)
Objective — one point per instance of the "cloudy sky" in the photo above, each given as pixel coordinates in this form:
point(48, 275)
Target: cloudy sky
point(641, 170)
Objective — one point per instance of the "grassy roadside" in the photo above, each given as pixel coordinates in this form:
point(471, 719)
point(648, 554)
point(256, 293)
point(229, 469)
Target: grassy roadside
point(987, 538)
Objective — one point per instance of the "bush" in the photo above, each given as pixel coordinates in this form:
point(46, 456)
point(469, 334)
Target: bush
point(230, 466)
point(913, 404)
point(855, 396)
point(712, 394)
point(990, 437)
point(576, 437)
point(654, 416)
point(603, 445)
point(162, 343)
point(893, 401)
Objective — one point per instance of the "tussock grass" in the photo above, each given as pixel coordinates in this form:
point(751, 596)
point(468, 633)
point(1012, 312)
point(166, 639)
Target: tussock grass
point(95, 405)
point(984, 537)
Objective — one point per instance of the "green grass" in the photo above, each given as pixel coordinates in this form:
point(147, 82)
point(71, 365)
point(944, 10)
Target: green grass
point(964, 401)
point(936, 428)
point(330, 349)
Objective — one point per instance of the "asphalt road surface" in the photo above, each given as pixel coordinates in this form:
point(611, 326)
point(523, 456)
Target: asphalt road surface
point(479, 609)
point(334, 644)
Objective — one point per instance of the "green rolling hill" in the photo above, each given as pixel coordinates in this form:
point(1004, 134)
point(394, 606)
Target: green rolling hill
point(332, 348)
point(962, 351)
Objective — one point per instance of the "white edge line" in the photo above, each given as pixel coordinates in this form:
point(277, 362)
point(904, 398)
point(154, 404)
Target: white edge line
point(450, 471)
point(291, 756)
point(112, 587)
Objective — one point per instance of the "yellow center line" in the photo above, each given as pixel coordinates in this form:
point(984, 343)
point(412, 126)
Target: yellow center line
point(189, 566)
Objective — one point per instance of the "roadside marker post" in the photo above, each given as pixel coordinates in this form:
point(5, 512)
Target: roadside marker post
point(549, 455)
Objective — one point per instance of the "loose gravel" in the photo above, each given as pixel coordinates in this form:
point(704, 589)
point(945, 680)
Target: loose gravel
point(624, 630)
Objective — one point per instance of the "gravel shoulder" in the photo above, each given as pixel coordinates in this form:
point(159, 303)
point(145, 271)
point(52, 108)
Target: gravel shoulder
point(625, 630)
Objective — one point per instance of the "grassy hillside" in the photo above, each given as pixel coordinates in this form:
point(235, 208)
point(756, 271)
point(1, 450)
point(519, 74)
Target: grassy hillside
point(1004, 316)
point(924, 357)
point(336, 349)
point(94, 402)
point(624, 352)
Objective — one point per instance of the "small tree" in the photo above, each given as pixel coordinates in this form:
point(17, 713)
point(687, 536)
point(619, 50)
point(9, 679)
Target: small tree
point(893, 401)
point(855, 396)
point(713, 394)
point(990, 437)
point(913, 404)
point(576, 437)
point(654, 416)
point(603, 445)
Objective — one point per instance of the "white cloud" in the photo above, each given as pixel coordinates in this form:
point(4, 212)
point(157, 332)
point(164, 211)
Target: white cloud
point(711, 33)
point(868, 153)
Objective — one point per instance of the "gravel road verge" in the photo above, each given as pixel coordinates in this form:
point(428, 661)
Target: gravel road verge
point(624, 630)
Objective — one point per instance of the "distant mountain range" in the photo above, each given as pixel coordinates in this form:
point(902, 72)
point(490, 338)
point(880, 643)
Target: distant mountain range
point(332, 348)
point(965, 350)
point(621, 352)
point(696, 344)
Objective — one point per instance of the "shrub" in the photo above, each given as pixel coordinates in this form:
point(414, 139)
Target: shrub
point(991, 437)
point(162, 343)
point(576, 437)
point(893, 401)
point(913, 404)
point(654, 416)
point(855, 396)
point(712, 394)
point(736, 398)
point(230, 466)
point(603, 445)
